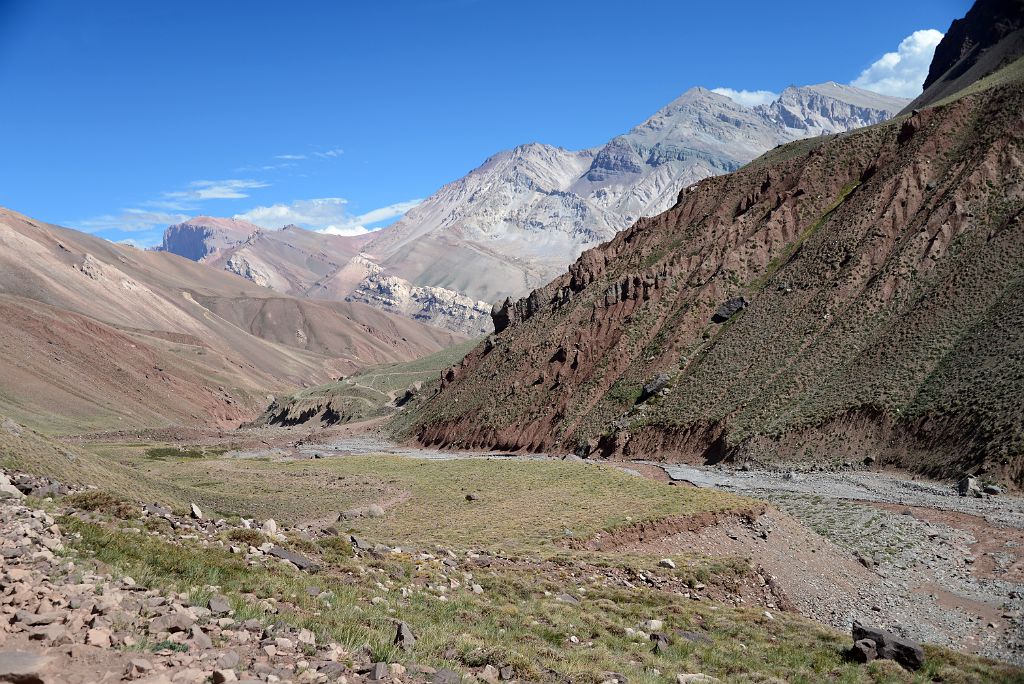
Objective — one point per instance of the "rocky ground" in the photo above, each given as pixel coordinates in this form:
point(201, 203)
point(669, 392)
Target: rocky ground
point(930, 564)
point(66, 620)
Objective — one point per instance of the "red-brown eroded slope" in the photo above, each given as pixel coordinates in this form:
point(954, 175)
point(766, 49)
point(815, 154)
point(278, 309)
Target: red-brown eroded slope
point(206, 328)
point(883, 272)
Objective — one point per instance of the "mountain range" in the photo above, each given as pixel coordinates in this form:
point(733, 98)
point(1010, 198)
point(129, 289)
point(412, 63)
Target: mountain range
point(838, 298)
point(519, 219)
point(101, 335)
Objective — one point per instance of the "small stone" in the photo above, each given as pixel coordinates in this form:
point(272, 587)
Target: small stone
point(477, 589)
point(219, 604)
point(195, 512)
point(138, 667)
point(404, 637)
point(667, 563)
point(446, 676)
point(98, 637)
point(653, 625)
point(221, 676)
point(489, 674)
point(228, 660)
point(696, 678)
point(378, 672)
point(269, 526)
point(200, 639)
point(567, 598)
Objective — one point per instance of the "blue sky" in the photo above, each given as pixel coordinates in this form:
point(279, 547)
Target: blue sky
point(118, 117)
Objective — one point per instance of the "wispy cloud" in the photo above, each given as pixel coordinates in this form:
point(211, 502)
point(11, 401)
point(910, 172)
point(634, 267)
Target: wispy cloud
point(129, 221)
point(200, 190)
point(319, 154)
point(326, 215)
point(902, 73)
point(169, 208)
point(748, 98)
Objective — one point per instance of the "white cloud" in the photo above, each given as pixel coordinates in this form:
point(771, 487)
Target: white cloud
point(748, 98)
point(325, 215)
point(336, 152)
point(231, 188)
point(290, 156)
point(130, 221)
point(902, 73)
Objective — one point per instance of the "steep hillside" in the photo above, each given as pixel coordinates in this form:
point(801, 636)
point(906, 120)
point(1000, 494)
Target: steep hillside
point(845, 296)
point(519, 219)
point(291, 260)
point(988, 38)
point(106, 334)
point(312, 265)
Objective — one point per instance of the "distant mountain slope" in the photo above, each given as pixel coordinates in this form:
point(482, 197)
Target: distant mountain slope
point(109, 334)
point(519, 219)
point(516, 221)
point(851, 295)
point(312, 265)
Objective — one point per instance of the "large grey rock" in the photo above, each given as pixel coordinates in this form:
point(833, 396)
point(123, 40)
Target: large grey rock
point(906, 652)
point(296, 559)
point(173, 622)
point(219, 604)
point(404, 638)
point(446, 676)
point(969, 486)
point(864, 651)
point(19, 667)
point(728, 309)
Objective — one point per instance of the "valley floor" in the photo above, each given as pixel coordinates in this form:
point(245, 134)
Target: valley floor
point(504, 567)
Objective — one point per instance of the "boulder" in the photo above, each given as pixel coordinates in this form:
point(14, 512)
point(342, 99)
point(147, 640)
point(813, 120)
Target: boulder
point(174, 622)
point(24, 668)
point(888, 646)
point(864, 651)
point(728, 309)
point(968, 486)
point(378, 672)
point(195, 512)
point(219, 604)
point(404, 638)
point(446, 676)
point(296, 559)
point(655, 385)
